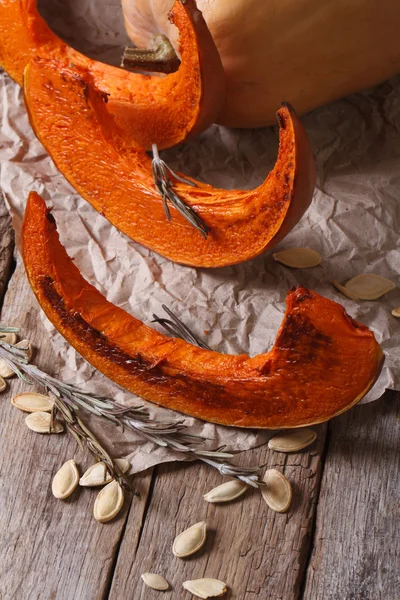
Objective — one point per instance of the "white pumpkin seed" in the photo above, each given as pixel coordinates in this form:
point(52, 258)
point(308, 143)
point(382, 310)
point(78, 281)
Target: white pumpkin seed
point(123, 464)
point(205, 588)
point(10, 338)
point(277, 492)
point(226, 491)
point(155, 582)
point(190, 541)
point(292, 440)
point(345, 291)
point(31, 402)
point(396, 311)
point(298, 258)
point(40, 423)
point(98, 473)
point(369, 286)
point(108, 502)
point(65, 480)
point(3, 385)
point(5, 371)
point(26, 345)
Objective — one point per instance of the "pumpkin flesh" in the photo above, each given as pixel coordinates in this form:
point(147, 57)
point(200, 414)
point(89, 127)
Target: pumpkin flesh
point(70, 118)
point(162, 110)
point(321, 364)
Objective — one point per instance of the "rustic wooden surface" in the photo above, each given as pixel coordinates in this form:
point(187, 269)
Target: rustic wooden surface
point(356, 544)
point(55, 550)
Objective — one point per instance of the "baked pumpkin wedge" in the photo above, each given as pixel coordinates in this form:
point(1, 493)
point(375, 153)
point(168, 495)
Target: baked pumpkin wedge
point(70, 118)
point(162, 110)
point(322, 363)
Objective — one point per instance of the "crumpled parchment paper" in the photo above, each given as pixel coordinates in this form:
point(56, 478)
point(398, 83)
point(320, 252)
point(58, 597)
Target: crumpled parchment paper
point(354, 222)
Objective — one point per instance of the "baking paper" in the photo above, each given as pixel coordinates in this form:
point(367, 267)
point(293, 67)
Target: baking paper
point(354, 223)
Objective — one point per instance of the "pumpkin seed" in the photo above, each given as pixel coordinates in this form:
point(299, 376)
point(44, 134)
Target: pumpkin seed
point(108, 502)
point(122, 464)
point(31, 402)
point(5, 371)
point(65, 480)
point(3, 385)
point(98, 473)
point(292, 440)
point(396, 311)
point(277, 492)
point(10, 338)
point(369, 286)
point(226, 491)
point(40, 423)
point(205, 588)
point(26, 345)
point(345, 291)
point(190, 541)
point(155, 582)
point(298, 258)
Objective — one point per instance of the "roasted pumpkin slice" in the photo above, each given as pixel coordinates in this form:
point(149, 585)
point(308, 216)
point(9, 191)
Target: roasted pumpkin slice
point(162, 110)
point(322, 362)
point(69, 117)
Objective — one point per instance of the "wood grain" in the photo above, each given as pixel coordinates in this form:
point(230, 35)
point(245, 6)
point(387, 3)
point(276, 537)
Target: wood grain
point(6, 246)
point(49, 549)
point(258, 553)
point(356, 546)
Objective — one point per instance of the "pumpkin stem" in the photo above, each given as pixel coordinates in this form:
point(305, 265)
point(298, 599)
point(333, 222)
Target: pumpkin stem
point(159, 58)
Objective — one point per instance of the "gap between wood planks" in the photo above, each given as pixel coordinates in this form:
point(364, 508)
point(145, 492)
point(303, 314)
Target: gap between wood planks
point(152, 473)
point(303, 582)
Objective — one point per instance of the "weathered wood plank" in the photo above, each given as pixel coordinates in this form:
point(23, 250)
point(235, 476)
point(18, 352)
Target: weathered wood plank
point(49, 549)
point(356, 545)
point(6, 246)
point(258, 553)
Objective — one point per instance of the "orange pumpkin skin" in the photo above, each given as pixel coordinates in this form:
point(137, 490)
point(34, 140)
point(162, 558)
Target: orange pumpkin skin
point(150, 109)
point(322, 362)
point(70, 118)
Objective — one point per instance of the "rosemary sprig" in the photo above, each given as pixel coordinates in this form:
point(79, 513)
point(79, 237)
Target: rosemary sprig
point(161, 172)
point(82, 434)
point(178, 329)
point(17, 359)
point(168, 434)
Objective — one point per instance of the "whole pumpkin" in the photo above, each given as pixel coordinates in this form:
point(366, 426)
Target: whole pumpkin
point(306, 52)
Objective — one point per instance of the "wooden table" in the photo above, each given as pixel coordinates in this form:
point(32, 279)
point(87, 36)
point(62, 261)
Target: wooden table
point(337, 542)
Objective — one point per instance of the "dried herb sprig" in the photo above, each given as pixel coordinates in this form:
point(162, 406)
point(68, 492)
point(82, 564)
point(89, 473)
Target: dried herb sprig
point(161, 175)
point(19, 362)
point(83, 435)
point(169, 434)
point(177, 328)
